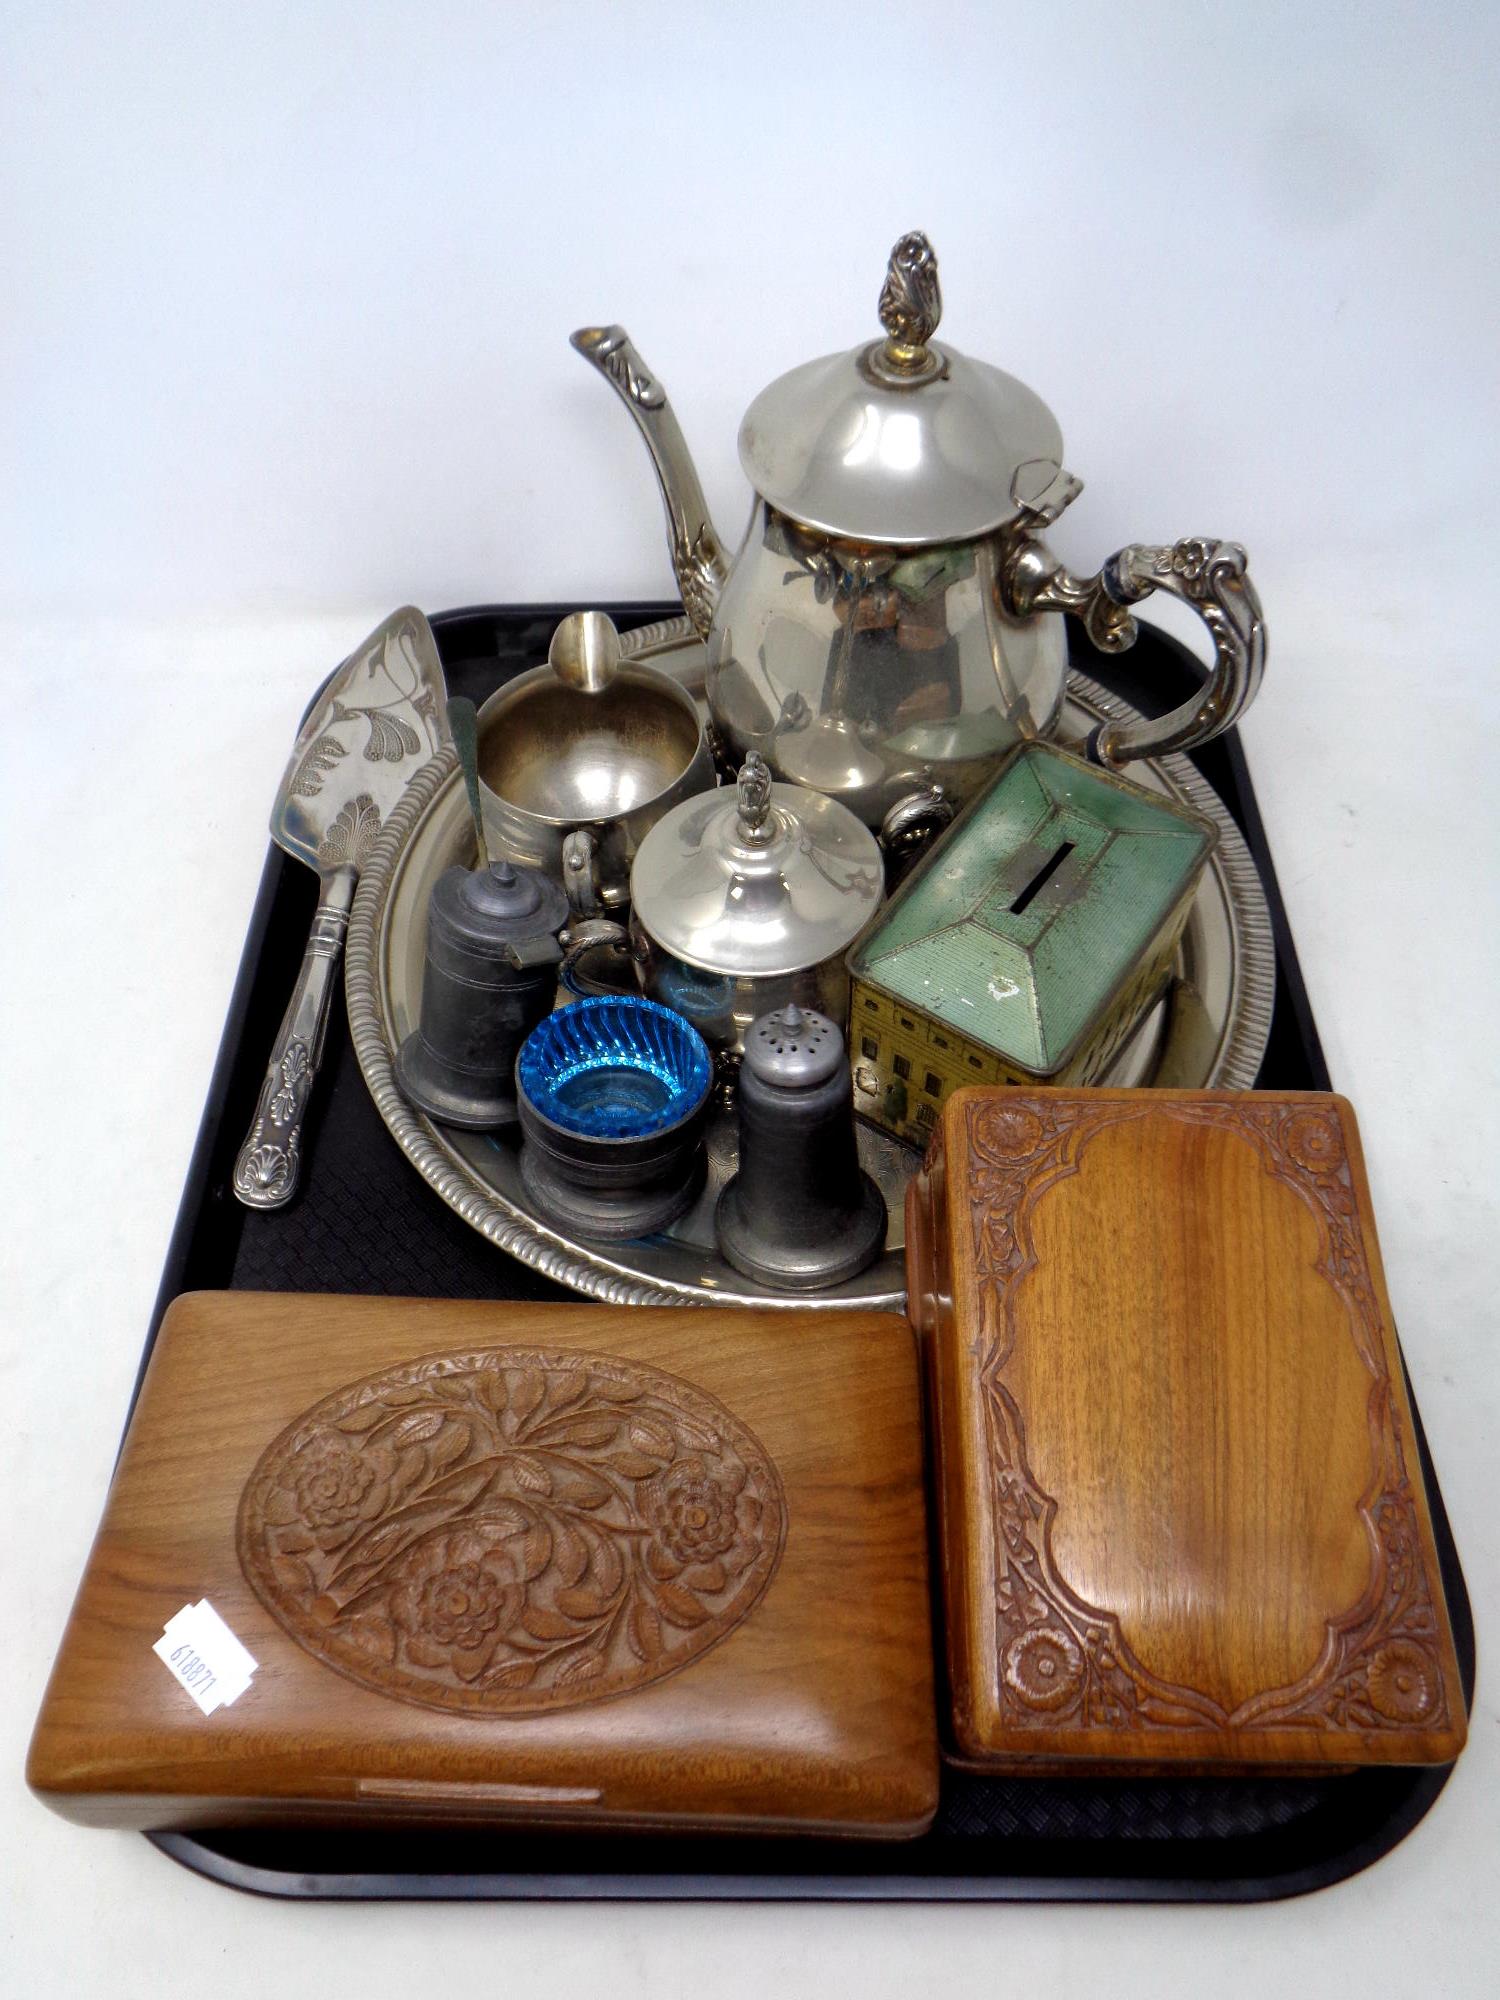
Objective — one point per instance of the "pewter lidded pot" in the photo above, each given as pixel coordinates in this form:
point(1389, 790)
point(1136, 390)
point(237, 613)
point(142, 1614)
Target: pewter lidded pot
point(889, 626)
point(489, 977)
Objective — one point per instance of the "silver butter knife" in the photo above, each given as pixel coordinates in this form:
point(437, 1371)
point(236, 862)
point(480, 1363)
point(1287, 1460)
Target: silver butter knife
point(381, 717)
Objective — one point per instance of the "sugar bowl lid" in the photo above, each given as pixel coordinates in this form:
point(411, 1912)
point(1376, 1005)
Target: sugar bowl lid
point(762, 879)
point(903, 441)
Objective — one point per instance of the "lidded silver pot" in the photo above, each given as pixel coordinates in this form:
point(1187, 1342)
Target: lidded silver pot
point(745, 899)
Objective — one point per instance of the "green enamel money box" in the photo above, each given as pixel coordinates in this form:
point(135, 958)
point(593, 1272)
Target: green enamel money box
point(1027, 945)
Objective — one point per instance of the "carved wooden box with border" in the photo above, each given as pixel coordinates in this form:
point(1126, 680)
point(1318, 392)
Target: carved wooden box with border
point(552, 1564)
point(1182, 1519)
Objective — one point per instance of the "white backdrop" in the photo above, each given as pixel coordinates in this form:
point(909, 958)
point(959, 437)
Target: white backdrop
point(288, 290)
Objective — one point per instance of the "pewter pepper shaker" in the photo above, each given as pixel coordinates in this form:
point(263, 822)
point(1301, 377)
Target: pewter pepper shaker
point(800, 1213)
point(490, 976)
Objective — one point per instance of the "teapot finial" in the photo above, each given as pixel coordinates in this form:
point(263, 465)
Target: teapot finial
point(911, 304)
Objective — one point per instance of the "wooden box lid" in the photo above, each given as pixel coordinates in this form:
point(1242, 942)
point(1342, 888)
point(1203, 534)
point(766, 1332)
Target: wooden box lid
point(1183, 1521)
point(559, 1564)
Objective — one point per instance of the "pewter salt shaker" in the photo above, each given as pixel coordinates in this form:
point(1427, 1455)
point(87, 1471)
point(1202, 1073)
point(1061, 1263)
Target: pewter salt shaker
point(800, 1213)
point(490, 976)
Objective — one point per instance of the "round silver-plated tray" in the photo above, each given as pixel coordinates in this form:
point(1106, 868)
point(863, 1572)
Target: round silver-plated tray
point(1208, 1032)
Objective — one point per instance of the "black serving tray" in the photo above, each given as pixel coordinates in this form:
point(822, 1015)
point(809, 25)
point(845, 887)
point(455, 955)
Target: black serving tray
point(364, 1221)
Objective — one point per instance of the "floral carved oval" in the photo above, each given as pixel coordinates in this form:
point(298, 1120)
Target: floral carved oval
point(512, 1530)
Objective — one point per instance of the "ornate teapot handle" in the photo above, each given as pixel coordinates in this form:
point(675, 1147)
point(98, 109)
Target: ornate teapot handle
point(1213, 577)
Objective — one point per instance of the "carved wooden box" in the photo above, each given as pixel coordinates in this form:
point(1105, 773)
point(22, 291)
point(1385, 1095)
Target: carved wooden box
point(553, 1564)
point(1182, 1519)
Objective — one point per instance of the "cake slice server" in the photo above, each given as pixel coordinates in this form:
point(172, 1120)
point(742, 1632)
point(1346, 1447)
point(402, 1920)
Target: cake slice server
point(379, 719)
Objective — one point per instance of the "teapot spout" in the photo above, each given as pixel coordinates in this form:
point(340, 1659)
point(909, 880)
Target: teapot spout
point(697, 553)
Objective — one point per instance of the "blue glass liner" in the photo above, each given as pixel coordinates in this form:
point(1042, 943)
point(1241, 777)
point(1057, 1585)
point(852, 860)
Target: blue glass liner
point(614, 1066)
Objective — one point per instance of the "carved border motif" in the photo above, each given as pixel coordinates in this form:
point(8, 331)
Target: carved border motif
point(512, 1530)
point(1063, 1661)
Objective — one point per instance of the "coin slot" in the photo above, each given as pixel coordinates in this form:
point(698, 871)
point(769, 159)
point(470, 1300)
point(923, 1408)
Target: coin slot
point(1042, 877)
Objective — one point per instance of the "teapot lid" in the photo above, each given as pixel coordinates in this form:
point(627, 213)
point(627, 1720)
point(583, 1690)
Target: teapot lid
point(762, 879)
point(903, 441)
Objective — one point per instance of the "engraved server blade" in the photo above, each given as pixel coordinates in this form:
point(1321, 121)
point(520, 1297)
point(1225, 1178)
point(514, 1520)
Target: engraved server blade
point(381, 717)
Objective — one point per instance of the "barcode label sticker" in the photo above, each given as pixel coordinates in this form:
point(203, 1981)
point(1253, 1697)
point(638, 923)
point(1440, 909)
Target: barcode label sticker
point(201, 1653)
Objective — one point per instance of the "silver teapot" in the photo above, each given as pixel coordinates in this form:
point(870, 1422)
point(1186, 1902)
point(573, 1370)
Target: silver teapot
point(886, 631)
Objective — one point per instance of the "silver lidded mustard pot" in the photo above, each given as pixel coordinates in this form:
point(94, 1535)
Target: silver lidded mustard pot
point(745, 899)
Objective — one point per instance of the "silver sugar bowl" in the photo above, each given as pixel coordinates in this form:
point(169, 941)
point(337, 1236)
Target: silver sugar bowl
point(744, 900)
